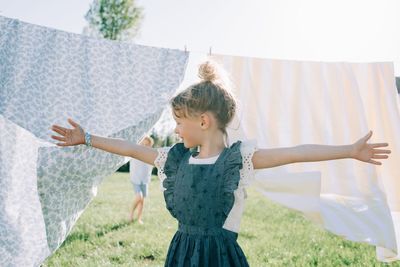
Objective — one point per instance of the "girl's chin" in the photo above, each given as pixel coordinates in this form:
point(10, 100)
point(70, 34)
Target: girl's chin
point(187, 145)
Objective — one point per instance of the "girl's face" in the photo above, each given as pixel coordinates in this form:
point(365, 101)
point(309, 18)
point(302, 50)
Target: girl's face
point(189, 130)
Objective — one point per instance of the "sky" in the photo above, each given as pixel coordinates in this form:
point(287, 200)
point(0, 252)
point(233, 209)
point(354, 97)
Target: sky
point(308, 30)
point(311, 30)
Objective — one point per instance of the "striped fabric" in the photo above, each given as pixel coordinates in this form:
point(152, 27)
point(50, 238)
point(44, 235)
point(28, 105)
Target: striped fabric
point(287, 103)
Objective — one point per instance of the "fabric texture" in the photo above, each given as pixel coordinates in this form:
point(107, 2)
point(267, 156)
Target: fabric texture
point(200, 197)
point(112, 89)
point(295, 102)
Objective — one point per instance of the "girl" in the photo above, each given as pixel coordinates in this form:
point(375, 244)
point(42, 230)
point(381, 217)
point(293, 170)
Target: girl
point(204, 190)
point(140, 174)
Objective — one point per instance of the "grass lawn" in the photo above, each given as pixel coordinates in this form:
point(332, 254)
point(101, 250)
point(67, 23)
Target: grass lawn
point(270, 235)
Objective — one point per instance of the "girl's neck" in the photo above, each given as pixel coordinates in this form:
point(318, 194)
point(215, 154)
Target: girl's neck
point(211, 147)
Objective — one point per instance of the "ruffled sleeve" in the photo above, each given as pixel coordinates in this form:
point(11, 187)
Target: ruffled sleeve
point(247, 173)
point(159, 162)
point(231, 177)
point(174, 157)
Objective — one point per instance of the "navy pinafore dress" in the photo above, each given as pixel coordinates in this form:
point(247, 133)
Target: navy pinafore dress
point(200, 197)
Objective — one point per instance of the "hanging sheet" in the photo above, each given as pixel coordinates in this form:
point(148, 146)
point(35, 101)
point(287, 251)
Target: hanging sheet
point(287, 103)
point(111, 88)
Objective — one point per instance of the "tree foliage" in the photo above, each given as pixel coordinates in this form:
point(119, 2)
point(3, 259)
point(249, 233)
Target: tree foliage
point(113, 19)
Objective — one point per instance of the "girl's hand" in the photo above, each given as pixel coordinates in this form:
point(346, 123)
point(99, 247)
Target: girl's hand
point(69, 137)
point(368, 152)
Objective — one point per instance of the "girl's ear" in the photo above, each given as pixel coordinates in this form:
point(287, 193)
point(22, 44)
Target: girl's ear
point(205, 121)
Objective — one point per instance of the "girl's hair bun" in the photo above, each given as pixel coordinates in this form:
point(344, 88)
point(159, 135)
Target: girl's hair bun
point(208, 71)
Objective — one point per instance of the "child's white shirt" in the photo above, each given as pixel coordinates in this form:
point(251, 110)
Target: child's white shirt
point(139, 172)
point(247, 149)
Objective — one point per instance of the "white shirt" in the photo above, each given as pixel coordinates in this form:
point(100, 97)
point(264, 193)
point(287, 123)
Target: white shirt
point(139, 171)
point(210, 160)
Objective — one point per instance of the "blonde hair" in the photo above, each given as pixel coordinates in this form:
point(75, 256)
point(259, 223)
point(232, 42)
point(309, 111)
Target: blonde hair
point(210, 94)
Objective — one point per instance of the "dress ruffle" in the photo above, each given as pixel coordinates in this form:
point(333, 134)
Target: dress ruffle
point(175, 156)
point(231, 176)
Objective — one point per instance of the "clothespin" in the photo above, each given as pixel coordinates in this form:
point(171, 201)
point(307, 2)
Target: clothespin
point(209, 52)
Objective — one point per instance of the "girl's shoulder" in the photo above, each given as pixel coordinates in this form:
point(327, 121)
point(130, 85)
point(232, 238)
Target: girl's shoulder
point(247, 173)
point(247, 146)
point(171, 154)
point(240, 153)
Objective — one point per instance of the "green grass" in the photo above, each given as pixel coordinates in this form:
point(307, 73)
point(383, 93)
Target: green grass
point(270, 234)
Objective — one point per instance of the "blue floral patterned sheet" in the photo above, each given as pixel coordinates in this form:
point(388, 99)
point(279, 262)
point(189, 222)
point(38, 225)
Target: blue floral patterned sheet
point(112, 89)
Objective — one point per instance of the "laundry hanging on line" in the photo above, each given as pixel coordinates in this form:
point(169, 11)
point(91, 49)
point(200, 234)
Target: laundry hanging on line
point(112, 89)
point(297, 102)
point(284, 185)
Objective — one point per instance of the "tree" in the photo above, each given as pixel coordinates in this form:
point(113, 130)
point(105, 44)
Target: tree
point(113, 19)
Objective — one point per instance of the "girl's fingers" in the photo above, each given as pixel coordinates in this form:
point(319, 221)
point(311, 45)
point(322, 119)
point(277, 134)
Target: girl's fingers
point(368, 136)
point(374, 162)
point(380, 156)
point(61, 144)
point(73, 123)
point(63, 133)
point(379, 145)
point(59, 129)
point(382, 151)
point(59, 138)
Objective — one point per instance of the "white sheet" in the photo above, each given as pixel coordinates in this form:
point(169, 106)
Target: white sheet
point(286, 103)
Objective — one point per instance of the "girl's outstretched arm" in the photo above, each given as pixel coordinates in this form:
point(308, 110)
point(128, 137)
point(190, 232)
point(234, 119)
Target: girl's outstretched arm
point(76, 136)
point(360, 150)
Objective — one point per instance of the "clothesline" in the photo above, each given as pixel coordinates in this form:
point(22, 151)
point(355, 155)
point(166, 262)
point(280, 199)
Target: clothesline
point(69, 75)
